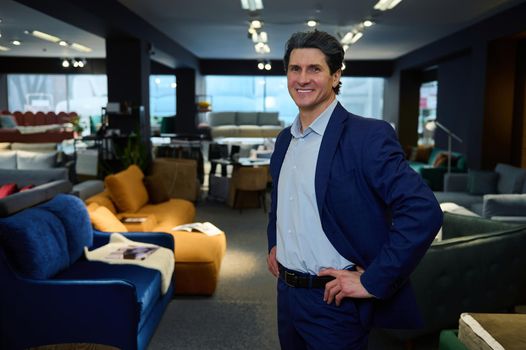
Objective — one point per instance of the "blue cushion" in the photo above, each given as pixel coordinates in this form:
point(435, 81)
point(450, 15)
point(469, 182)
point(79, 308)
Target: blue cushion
point(482, 182)
point(74, 216)
point(511, 178)
point(35, 242)
point(146, 281)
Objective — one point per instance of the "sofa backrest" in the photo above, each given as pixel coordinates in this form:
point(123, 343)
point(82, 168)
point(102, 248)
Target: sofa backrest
point(42, 241)
point(19, 159)
point(222, 118)
point(511, 179)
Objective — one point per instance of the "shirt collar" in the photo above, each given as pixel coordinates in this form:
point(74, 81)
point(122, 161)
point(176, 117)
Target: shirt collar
point(318, 125)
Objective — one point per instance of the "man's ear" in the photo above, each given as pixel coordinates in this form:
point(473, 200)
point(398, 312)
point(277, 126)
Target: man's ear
point(336, 78)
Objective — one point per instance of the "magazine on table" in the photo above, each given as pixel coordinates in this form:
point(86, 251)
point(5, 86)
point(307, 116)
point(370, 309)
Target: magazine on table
point(132, 220)
point(204, 227)
point(132, 252)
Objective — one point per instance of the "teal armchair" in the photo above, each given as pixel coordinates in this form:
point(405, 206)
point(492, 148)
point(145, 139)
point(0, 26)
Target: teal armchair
point(435, 168)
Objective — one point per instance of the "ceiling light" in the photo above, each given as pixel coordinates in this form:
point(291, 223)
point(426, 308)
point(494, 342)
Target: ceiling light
point(312, 23)
point(80, 47)
point(62, 43)
point(252, 5)
point(343, 66)
point(65, 63)
point(256, 23)
point(356, 37)
point(3, 48)
point(347, 38)
point(268, 66)
point(345, 47)
point(367, 23)
point(81, 63)
point(16, 42)
point(384, 5)
point(44, 36)
point(261, 65)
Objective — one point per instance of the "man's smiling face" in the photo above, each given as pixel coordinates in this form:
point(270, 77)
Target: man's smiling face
point(310, 81)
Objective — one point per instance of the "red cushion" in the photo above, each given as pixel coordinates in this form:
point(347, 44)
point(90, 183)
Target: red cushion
point(7, 189)
point(26, 187)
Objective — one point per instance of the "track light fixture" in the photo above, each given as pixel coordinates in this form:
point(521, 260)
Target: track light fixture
point(75, 62)
point(264, 65)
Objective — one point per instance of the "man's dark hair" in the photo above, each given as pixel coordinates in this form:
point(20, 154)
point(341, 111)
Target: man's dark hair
point(326, 43)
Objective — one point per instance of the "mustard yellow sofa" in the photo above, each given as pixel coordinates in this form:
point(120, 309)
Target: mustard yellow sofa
point(125, 205)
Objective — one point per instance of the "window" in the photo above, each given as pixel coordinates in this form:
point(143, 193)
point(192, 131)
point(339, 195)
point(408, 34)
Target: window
point(427, 112)
point(362, 96)
point(162, 98)
point(81, 93)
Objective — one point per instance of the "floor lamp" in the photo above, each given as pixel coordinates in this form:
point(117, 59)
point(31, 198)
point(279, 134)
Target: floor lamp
point(450, 135)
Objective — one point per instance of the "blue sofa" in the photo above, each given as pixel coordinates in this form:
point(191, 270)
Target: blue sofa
point(51, 294)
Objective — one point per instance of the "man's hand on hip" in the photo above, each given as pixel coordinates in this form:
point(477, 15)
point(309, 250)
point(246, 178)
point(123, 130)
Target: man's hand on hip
point(345, 284)
point(272, 262)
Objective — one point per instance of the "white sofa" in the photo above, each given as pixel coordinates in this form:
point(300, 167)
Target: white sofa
point(244, 124)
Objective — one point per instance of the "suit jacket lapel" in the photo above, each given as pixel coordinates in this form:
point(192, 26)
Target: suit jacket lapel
point(328, 147)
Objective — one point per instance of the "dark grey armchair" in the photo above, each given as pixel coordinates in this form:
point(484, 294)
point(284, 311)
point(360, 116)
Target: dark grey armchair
point(477, 267)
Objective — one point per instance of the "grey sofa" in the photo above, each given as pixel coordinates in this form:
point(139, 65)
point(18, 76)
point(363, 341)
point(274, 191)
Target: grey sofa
point(477, 267)
point(244, 124)
point(499, 194)
point(48, 183)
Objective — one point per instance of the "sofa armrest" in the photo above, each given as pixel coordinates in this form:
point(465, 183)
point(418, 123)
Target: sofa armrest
point(95, 310)
point(503, 205)
point(162, 239)
point(456, 182)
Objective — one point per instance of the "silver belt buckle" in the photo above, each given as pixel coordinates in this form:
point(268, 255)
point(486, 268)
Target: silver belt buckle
point(291, 279)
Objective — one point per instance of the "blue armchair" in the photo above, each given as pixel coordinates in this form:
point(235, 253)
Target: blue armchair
point(52, 295)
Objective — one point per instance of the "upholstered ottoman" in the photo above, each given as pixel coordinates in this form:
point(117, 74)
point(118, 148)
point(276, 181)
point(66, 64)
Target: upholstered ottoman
point(197, 262)
point(492, 331)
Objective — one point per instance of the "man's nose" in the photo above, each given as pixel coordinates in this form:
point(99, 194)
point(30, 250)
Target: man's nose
point(303, 77)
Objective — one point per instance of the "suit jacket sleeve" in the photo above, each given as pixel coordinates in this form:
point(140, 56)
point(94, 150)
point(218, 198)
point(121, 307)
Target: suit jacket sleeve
point(415, 213)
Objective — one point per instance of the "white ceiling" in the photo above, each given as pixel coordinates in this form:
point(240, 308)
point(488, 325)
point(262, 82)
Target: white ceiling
point(218, 29)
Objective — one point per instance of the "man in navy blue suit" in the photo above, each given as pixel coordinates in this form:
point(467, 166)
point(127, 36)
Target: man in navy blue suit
point(349, 219)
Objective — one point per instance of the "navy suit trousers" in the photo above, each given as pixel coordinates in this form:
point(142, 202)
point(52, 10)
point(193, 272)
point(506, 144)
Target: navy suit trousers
point(305, 321)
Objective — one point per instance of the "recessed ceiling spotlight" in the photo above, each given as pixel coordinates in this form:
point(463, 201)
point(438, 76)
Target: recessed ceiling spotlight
point(261, 65)
point(268, 66)
point(62, 43)
point(65, 63)
point(16, 42)
point(367, 23)
point(256, 23)
point(312, 23)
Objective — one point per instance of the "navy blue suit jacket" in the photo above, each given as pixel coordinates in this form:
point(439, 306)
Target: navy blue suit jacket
point(375, 210)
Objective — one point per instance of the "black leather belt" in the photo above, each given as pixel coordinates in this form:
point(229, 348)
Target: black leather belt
point(302, 280)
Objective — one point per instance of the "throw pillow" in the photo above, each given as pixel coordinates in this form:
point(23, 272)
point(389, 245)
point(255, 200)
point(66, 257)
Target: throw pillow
point(8, 160)
point(103, 219)
point(127, 189)
point(26, 188)
point(7, 189)
point(440, 160)
point(35, 160)
point(156, 187)
point(7, 121)
point(482, 182)
point(422, 153)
